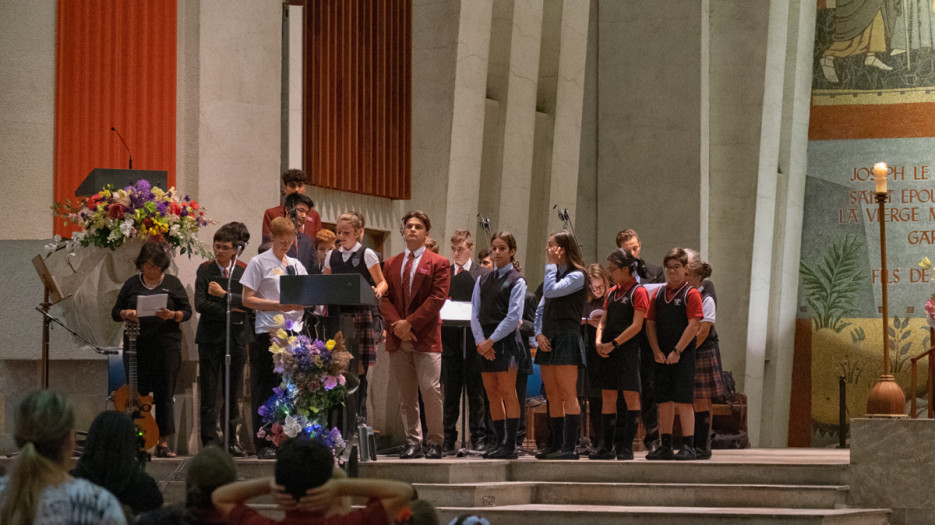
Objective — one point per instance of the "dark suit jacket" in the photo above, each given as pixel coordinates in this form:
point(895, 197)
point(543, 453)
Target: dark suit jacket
point(654, 274)
point(461, 289)
point(306, 253)
point(429, 291)
point(312, 222)
point(212, 327)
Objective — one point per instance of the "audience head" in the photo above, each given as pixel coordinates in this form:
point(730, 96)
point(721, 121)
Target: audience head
point(675, 263)
point(462, 247)
point(483, 258)
point(153, 258)
point(293, 181)
point(631, 265)
point(698, 268)
point(415, 228)
point(419, 512)
point(111, 451)
point(469, 519)
point(566, 241)
point(303, 464)
point(503, 250)
point(598, 282)
point(42, 429)
point(208, 470)
point(168, 515)
point(297, 206)
point(431, 244)
point(629, 241)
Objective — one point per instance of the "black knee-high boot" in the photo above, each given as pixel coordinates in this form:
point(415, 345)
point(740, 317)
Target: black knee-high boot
point(556, 424)
point(624, 445)
point(508, 449)
point(609, 427)
point(703, 435)
point(498, 431)
point(572, 425)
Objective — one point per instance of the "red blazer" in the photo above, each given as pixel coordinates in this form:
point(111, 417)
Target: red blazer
point(312, 222)
point(429, 292)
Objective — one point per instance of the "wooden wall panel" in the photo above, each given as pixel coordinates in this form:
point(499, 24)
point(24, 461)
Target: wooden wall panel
point(358, 96)
point(115, 67)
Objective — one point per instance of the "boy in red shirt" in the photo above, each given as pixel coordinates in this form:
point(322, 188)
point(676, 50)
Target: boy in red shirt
point(292, 181)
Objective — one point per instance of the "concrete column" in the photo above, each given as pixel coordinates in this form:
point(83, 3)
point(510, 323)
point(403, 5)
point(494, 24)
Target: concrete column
point(765, 217)
point(467, 124)
point(519, 119)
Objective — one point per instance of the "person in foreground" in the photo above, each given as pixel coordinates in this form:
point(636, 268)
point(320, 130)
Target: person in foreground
point(38, 489)
point(304, 472)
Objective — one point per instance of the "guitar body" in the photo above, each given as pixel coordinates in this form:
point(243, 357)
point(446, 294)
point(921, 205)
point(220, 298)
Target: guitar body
point(142, 416)
point(128, 400)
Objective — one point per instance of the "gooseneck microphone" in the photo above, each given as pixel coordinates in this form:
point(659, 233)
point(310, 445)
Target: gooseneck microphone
point(124, 145)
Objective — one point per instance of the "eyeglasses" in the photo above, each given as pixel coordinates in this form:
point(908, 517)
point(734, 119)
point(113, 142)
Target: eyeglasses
point(674, 268)
point(223, 247)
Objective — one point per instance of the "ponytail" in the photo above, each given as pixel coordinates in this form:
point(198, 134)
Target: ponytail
point(42, 423)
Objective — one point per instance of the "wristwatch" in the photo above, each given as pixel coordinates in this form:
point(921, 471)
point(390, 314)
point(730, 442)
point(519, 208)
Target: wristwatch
point(615, 343)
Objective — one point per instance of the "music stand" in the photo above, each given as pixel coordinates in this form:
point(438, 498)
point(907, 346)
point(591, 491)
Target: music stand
point(335, 291)
point(51, 295)
point(458, 314)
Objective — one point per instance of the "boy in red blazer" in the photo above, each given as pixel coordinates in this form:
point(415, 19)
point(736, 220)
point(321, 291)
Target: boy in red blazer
point(418, 286)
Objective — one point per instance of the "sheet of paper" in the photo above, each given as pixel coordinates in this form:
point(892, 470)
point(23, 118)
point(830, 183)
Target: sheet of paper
point(147, 305)
point(456, 311)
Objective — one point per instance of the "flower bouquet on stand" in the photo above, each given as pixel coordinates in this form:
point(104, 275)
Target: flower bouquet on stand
point(313, 382)
point(930, 304)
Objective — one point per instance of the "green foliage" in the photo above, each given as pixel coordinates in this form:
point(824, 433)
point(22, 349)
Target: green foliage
point(831, 285)
point(899, 342)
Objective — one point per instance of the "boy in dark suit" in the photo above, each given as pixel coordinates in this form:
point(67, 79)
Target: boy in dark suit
point(460, 367)
point(211, 302)
point(293, 181)
point(418, 286)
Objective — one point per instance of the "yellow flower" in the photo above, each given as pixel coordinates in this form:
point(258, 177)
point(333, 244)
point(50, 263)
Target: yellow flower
point(274, 348)
point(925, 263)
point(278, 319)
point(292, 340)
point(281, 334)
point(330, 344)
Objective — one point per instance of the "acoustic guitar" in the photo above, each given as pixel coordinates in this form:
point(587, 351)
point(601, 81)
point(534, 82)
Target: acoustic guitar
point(128, 399)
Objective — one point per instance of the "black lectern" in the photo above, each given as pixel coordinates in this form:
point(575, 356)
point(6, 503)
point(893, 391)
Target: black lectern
point(335, 291)
point(101, 177)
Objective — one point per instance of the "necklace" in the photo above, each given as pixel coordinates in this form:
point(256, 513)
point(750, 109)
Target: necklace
point(148, 287)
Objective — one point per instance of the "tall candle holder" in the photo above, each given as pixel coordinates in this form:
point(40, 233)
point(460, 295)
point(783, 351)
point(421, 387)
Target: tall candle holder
point(887, 399)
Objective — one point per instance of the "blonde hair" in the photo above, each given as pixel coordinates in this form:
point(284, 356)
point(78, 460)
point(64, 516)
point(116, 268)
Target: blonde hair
point(42, 424)
point(353, 217)
point(281, 226)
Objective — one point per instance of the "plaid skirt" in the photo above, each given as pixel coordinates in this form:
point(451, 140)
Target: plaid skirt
point(366, 340)
point(708, 382)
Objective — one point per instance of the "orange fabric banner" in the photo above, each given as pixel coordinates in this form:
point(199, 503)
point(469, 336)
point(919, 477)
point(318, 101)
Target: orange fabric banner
point(115, 67)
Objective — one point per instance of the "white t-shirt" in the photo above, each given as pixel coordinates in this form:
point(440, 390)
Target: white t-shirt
point(262, 276)
point(75, 502)
point(370, 256)
point(708, 309)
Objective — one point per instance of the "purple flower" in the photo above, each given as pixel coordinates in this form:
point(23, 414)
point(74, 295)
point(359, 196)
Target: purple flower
point(288, 324)
point(162, 206)
point(278, 391)
point(263, 411)
point(330, 382)
point(142, 186)
point(319, 345)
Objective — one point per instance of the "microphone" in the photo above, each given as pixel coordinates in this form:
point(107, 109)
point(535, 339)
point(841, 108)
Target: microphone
point(124, 145)
point(239, 246)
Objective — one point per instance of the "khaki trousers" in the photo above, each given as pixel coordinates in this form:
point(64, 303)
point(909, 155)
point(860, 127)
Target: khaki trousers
point(410, 372)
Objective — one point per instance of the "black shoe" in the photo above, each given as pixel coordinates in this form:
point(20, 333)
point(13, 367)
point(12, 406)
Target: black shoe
point(685, 453)
point(480, 446)
point(266, 453)
point(448, 448)
point(702, 454)
point(625, 454)
point(651, 447)
point(433, 452)
point(412, 452)
point(661, 453)
point(237, 451)
point(544, 453)
point(563, 454)
point(602, 453)
point(504, 452)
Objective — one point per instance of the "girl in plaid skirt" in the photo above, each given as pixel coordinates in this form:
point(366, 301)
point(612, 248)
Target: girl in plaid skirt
point(708, 383)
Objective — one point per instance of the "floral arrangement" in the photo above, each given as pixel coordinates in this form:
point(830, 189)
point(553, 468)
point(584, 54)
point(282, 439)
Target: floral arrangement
point(312, 382)
point(930, 304)
point(139, 211)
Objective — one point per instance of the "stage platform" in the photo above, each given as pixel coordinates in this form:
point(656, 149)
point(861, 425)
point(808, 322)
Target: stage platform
point(768, 486)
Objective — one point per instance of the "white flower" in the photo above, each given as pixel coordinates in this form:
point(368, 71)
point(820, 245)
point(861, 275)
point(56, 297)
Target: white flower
point(291, 428)
point(126, 228)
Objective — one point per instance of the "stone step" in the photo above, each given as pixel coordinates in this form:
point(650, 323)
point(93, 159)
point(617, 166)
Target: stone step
point(635, 494)
point(623, 515)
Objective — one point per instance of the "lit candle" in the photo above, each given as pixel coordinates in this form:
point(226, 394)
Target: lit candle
point(879, 176)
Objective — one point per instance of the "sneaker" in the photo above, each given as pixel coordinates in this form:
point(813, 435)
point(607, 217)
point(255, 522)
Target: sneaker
point(685, 453)
point(662, 452)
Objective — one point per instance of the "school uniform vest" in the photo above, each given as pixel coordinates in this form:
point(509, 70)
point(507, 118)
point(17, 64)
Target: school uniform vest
point(620, 316)
point(672, 319)
point(354, 264)
point(564, 312)
point(495, 293)
point(712, 335)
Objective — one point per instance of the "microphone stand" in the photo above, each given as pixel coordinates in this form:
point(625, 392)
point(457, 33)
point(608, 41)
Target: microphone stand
point(484, 221)
point(566, 223)
point(227, 353)
point(93, 346)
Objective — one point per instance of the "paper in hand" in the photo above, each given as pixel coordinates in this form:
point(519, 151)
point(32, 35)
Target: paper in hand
point(148, 305)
